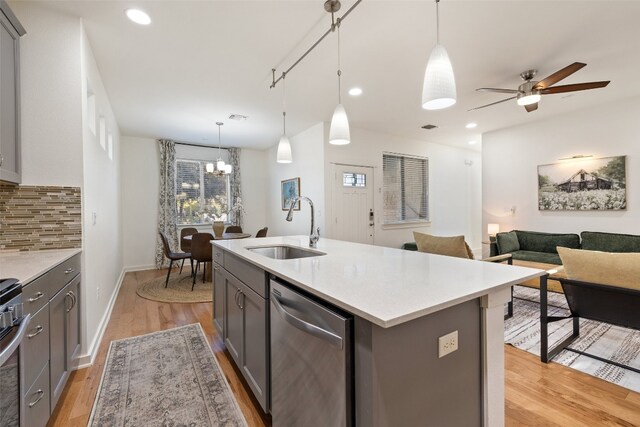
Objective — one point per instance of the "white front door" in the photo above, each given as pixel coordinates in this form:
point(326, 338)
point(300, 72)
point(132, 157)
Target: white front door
point(352, 204)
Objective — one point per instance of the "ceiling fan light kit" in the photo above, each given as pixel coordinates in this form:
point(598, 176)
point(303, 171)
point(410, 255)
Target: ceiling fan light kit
point(530, 92)
point(439, 88)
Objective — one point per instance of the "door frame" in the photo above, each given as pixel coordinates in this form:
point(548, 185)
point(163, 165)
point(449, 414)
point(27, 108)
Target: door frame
point(331, 182)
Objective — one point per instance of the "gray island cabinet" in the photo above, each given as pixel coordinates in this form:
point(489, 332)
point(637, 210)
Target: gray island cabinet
point(241, 314)
point(427, 329)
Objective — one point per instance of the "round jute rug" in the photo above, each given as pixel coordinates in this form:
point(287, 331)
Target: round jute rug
point(179, 289)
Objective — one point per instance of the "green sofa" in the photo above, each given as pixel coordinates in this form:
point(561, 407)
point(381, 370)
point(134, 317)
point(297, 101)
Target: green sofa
point(539, 247)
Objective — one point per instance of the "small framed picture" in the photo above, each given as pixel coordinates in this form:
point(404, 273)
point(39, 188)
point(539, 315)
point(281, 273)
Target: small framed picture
point(290, 190)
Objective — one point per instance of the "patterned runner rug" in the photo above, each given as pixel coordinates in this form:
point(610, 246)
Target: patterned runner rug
point(601, 339)
point(167, 378)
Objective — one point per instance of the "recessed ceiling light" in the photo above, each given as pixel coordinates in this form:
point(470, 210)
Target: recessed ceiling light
point(471, 125)
point(355, 91)
point(472, 142)
point(138, 16)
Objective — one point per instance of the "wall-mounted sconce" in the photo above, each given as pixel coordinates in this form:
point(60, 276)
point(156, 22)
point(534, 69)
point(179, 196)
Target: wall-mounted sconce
point(493, 229)
point(578, 157)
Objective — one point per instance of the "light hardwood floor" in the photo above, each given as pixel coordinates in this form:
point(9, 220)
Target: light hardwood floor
point(536, 394)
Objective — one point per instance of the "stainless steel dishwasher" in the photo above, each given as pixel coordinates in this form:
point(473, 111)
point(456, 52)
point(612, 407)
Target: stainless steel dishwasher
point(311, 361)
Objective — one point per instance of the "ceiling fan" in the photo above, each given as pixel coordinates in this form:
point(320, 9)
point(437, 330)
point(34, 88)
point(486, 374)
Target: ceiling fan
point(529, 93)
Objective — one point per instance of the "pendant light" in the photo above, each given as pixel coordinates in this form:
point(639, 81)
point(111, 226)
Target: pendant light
point(439, 89)
point(339, 130)
point(284, 146)
point(219, 168)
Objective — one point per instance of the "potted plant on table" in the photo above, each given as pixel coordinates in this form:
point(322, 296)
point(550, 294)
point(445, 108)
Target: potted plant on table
point(236, 211)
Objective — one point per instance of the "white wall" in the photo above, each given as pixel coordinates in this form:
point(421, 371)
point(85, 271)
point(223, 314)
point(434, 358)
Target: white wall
point(140, 189)
point(50, 96)
point(511, 156)
point(308, 163)
point(57, 66)
point(102, 249)
point(454, 187)
point(139, 179)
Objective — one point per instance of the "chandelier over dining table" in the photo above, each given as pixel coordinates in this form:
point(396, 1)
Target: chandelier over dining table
point(219, 168)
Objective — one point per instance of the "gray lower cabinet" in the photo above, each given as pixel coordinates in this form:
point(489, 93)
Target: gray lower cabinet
point(36, 401)
point(219, 285)
point(241, 317)
point(52, 342)
point(64, 336)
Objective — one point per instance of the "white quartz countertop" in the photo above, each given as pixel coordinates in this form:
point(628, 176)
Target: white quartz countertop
point(27, 266)
point(385, 286)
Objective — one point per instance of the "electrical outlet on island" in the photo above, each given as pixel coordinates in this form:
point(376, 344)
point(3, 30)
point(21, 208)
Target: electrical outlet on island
point(447, 344)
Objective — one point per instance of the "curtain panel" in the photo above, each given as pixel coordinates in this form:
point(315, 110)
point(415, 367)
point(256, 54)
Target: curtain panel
point(234, 184)
point(167, 210)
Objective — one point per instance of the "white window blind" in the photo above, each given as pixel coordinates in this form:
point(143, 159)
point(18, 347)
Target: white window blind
point(405, 188)
point(201, 196)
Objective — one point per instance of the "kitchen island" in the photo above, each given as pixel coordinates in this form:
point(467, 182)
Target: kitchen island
point(402, 303)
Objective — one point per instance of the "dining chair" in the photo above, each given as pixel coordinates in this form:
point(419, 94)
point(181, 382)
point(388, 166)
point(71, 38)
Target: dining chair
point(201, 251)
point(262, 232)
point(185, 244)
point(173, 256)
point(233, 229)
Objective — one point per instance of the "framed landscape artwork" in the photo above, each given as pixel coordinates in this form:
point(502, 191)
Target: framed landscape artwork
point(583, 184)
point(290, 189)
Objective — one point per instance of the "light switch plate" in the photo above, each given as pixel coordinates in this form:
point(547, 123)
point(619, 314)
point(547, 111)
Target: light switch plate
point(447, 344)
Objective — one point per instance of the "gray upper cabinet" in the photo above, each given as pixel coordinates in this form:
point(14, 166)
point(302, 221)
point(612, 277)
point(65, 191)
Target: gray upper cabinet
point(10, 33)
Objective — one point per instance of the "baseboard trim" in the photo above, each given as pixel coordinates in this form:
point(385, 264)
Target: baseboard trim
point(86, 360)
point(139, 268)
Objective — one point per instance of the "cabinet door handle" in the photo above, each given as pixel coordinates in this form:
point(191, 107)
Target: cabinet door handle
point(69, 271)
point(74, 298)
point(241, 298)
point(236, 298)
point(69, 295)
point(36, 296)
point(40, 394)
point(38, 331)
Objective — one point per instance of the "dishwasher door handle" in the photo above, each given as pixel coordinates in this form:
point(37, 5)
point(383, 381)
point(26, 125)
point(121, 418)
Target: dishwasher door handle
point(310, 328)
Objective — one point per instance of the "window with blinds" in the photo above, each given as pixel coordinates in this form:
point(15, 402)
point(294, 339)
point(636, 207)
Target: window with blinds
point(201, 197)
point(405, 188)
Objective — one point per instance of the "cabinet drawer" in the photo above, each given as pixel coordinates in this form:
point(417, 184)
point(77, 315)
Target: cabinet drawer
point(36, 294)
point(35, 346)
point(36, 401)
point(218, 255)
point(248, 273)
point(63, 273)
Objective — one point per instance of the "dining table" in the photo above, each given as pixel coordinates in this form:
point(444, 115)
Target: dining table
point(225, 236)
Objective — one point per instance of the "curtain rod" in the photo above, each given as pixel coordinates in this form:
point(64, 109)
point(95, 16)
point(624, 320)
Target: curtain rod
point(331, 29)
point(190, 144)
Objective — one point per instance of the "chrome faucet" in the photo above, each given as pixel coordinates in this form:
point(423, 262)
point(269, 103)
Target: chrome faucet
point(314, 236)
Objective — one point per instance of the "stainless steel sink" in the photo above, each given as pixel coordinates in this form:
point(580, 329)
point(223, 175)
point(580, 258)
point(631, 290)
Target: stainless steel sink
point(284, 252)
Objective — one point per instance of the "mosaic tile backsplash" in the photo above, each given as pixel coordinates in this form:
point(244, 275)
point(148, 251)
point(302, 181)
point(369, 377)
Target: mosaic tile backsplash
point(39, 217)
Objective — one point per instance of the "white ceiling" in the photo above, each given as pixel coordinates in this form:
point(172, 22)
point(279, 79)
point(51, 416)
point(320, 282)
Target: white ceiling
point(200, 61)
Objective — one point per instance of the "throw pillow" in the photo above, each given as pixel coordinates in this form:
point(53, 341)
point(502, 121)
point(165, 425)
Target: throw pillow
point(449, 246)
point(507, 242)
point(606, 268)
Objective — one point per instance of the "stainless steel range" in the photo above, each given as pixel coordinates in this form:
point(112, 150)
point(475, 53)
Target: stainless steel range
point(13, 326)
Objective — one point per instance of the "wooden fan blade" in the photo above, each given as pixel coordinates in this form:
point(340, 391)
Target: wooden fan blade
point(491, 89)
point(574, 87)
point(531, 107)
point(493, 103)
point(559, 75)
